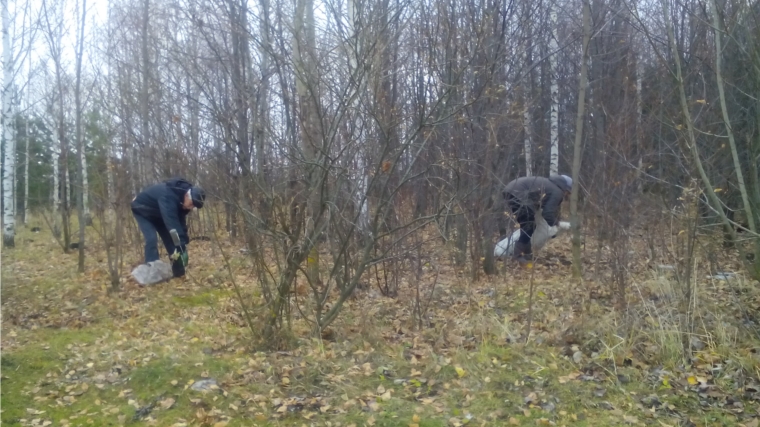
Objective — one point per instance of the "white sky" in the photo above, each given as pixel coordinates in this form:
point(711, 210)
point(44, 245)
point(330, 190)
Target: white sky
point(25, 17)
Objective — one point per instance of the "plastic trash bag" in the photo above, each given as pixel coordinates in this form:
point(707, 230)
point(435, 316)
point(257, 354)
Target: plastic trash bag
point(152, 273)
point(541, 235)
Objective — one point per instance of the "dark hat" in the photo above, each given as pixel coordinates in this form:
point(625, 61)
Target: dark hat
point(198, 195)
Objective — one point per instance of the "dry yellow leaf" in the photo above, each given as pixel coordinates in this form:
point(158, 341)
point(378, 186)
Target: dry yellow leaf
point(692, 380)
point(415, 418)
point(461, 372)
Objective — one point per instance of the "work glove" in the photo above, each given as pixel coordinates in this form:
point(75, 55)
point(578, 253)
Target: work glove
point(180, 256)
point(179, 261)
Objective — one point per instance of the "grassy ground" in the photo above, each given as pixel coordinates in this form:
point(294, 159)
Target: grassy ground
point(75, 354)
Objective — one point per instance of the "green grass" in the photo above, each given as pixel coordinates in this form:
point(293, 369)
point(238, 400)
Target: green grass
point(36, 366)
point(201, 299)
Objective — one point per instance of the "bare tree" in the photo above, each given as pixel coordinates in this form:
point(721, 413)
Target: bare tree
point(81, 165)
point(574, 217)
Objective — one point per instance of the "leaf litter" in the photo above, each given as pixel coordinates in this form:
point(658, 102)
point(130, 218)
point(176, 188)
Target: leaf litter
point(468, 365)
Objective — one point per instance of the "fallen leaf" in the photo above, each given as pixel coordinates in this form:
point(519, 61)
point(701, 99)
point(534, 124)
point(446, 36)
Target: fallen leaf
point(167, 403)
point(460, 372)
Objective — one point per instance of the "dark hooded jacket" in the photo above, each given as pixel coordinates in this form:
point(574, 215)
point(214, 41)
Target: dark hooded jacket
point(163, 203)
point(538, 192)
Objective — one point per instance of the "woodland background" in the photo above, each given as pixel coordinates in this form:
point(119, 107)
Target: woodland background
point(362, 145)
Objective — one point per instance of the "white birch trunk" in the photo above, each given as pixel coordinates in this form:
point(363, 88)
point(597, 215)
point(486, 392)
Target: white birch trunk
point(56, 185)
point(14, 137)
point(554, 120)
point(528, 121)
point(9, 161)
point(362, 182)
point(68, 188)
point(85, 185)
point(639, 114)
point(26, 172)
point(109, 180)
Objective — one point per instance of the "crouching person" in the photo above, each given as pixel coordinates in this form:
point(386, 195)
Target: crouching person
point(163, 207)
point(527, 195)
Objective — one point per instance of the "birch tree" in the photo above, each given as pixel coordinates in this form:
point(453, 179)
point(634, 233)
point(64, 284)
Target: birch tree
point(528, 90)
point(9, 143)
point(81, 165)
point(554, 91)
point(54, 29)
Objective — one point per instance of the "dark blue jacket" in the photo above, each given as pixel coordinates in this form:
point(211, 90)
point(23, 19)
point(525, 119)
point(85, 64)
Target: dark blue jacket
point(163, 203)
point(537, 192)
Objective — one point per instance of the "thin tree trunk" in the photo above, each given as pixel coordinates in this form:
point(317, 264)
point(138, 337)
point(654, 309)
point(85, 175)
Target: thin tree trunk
point(303, 52)
point(26, 170)
point(579, 120)
point(360, 193)
point(724, 110)
point(554, 120)
point(9, 144)
point(692, 140)
point(81, 213)
point(147, 159)
point(56, 186)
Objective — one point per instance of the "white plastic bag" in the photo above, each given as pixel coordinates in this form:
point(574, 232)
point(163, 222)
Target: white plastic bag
point(152, 273)
point(542, 234)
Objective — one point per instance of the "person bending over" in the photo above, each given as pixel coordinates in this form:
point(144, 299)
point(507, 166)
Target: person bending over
point(524, 197)
point(163, 207)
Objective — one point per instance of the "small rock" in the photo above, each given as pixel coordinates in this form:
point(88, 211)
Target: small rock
point(607, 405)
point(697, 344)
point(577, 357)
point(204, 385)
point(600, 392)
point(549, 407)
point(623, 379)
point(651, 401)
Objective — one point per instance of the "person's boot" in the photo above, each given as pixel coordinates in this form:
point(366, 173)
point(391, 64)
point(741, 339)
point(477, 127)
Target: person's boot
point(523, 252)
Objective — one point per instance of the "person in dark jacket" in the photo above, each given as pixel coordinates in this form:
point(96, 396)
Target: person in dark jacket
point(524, 197)
point(163, 207)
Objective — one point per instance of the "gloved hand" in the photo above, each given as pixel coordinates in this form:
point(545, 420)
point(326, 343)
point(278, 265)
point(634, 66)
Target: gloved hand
point(179, 261)
point(180, 255)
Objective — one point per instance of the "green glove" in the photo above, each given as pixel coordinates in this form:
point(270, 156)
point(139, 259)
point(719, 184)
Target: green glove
point(181, 255)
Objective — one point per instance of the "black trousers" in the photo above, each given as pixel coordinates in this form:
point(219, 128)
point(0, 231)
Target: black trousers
point(525, 216)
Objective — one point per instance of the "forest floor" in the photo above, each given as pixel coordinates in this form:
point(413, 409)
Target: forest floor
point(179, 353)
